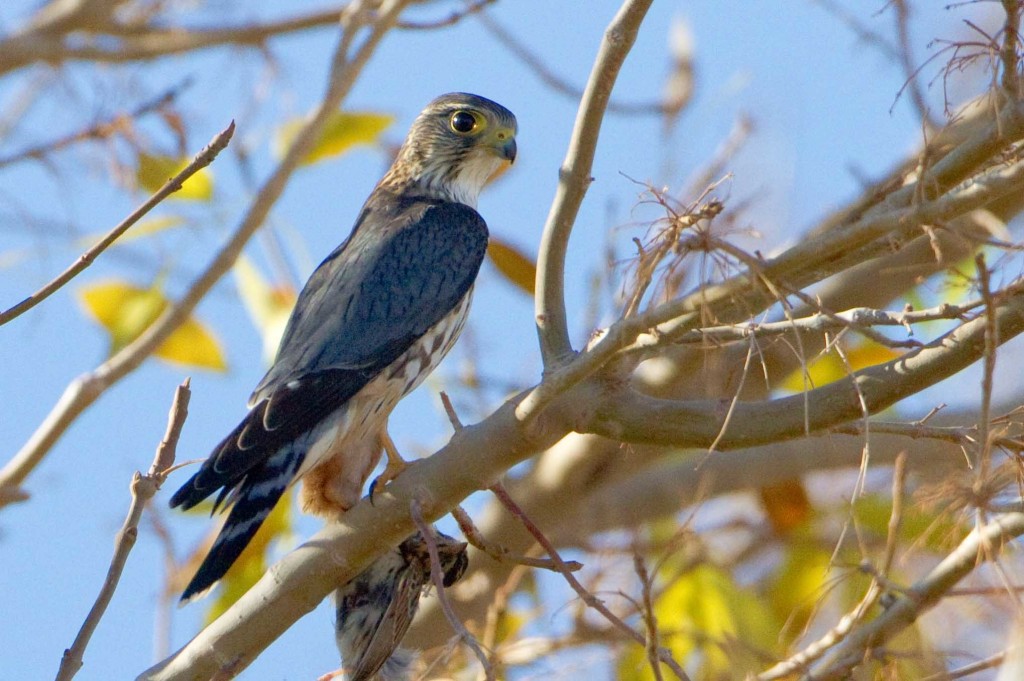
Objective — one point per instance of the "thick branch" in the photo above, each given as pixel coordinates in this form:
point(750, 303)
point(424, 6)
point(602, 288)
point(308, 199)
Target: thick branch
point(574, 179)
point(634, 417)
point(473, 460)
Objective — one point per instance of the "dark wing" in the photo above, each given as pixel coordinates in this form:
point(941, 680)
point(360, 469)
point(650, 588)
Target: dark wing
point(406, 266)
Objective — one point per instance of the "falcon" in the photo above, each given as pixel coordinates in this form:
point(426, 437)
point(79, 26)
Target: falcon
point(374, 319)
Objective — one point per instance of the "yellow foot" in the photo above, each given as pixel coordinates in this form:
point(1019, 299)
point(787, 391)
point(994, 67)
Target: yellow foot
point(395, 465)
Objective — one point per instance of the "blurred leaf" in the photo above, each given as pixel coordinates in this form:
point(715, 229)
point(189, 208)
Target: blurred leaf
point(705, 613)
point(786, 505)
point(343, 130)
point(125, 311)
point(268, 306)
point(830, 367)
point(798, 584)
point(154, 171)
point(513, 264)
point(932, 530)
point(252, 563)
point(141, 229)
point(192, 344)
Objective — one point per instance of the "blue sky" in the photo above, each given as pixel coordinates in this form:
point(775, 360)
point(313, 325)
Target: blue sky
point(820, 100)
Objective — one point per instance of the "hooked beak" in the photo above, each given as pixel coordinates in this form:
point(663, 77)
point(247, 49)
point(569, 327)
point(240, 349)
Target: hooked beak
point(508, 150)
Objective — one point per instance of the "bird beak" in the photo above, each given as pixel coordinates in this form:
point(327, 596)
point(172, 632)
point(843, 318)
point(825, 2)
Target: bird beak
point(508, 150)
point(503, 143)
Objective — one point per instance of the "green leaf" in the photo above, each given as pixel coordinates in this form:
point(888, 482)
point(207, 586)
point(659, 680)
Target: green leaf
point(154, 171)
point(343, 130)
point(513, 264)
point(125, 311)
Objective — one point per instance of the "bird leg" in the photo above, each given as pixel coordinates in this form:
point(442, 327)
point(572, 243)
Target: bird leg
point(395, 465)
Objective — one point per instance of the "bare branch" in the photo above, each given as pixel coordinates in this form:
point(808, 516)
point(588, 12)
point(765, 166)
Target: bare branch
point(437, 577)
point(590, 599)
point(556, 82)
point(639, 418)
point(1008, 50)
point(98, 130)
point(200, 161)
point(574, 180)
point(143, 488)
point(980, 544)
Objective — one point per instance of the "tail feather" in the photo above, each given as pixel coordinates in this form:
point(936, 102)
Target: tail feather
point(257, 495)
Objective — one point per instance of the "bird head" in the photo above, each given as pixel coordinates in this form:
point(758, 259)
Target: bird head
point(457, 143)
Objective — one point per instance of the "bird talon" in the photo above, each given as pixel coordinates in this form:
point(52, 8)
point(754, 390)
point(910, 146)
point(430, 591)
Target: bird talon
point(395, 465)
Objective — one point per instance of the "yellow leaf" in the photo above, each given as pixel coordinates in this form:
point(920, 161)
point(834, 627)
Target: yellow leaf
point(192, 344)
point(513, 264)
point(154, 171)
point(704, 613)
point(125, 311)
point(799, 584)
point(252, 562)
point(343, 130)
point(830, 366)
point(267, 305)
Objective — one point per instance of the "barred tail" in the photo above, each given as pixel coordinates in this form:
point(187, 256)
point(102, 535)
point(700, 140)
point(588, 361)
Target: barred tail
point(255, 499)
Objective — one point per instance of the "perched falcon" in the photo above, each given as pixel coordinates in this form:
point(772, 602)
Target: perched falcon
point(375, 318)
point(375, 609)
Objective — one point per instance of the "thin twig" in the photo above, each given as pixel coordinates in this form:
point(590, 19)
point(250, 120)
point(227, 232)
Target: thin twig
point(650, 620)
point(920, 597)
point(500, 553)
point(556, 82)
point(574, 179)
point(452, 19)
point(201, 160)
point(988, 370)
point(437, 577)
point(590, 599)
point(473, 535)
point(99, 130)
point(969, 669)
point(143, 488)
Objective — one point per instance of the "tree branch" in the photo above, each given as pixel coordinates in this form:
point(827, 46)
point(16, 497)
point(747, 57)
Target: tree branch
point(982, 543)
point(200, 161)
point(473, 460)
point(575, 179)
point(634, 417)
point(143, 488)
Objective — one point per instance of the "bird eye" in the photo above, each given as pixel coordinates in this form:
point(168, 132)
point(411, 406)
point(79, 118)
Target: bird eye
point(463, 122)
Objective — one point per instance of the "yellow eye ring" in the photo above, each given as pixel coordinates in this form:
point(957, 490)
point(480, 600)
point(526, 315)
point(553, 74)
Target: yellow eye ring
point(463, 122)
